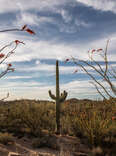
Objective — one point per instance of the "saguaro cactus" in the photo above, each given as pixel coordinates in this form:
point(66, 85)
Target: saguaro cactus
point(58, 98)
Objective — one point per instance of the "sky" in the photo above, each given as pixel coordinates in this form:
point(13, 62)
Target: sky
point(63, 28)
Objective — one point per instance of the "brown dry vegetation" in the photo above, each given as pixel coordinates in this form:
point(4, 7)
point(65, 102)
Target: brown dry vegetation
point(87, 127)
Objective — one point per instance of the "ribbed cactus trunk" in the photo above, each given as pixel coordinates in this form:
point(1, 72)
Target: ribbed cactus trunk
point(58, 98)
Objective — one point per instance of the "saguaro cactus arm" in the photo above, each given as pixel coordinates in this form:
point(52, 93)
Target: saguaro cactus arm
point(51, 95)
point(63, 96)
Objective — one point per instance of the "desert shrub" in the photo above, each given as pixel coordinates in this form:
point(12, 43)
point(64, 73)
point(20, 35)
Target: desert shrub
point(31, 117)
point(36, 118)
point(94, 123)
point(68, 118)
point(6, 138)
point(10, 120)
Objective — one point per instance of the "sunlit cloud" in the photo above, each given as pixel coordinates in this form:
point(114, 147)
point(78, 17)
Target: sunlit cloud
point(104, 5)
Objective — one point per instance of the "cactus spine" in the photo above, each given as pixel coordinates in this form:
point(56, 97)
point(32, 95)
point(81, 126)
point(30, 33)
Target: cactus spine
point(58, 98)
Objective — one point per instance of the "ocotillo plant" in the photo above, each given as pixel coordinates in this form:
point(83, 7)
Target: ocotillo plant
point(58, 98)
point(5, 54)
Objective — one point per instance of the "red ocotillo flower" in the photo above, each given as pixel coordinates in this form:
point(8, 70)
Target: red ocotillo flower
point(66, 60)
point(75, 71)
point(17, 42)
point(25, 28)
point(9, 65)
point(1, 55)
point(99, 49)
point(93, 50)
point(30, 31)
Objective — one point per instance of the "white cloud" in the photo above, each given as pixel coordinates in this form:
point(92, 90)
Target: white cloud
point(25, 17)
point(81, 23)
point(18, 77)
point(66, 16)
point(71, 24)
point(3, 67)
point(84, 89)
point(35, 49)
point(35, 90)
point(30, 90)
point(20, 84)
point(104, 5)
point(37, 62)
point(48, 69)
point(15, 5)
